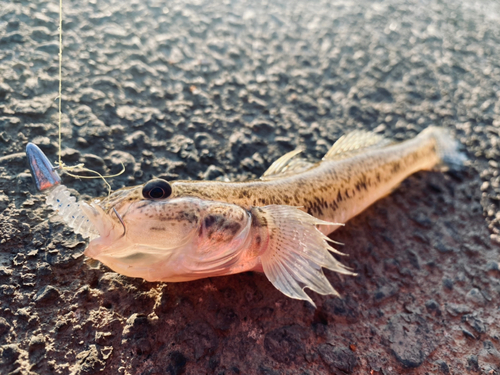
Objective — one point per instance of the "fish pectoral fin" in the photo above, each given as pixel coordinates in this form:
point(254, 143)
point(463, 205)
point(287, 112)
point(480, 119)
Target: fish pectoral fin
point(296, 252)
point(287, 164)
point(354, 143)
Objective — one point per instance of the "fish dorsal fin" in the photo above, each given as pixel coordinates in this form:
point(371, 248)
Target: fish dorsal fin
point(286, 165)
point(355, 142)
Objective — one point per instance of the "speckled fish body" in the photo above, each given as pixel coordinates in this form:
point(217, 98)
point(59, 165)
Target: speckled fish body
point(276, 224)
point(331, 190)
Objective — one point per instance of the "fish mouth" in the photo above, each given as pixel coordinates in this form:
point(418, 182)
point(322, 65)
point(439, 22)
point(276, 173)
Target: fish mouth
point(118, 198)
point(105, 226)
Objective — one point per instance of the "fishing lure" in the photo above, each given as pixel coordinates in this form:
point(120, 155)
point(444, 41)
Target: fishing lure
point(58, 196)
point(186, 230)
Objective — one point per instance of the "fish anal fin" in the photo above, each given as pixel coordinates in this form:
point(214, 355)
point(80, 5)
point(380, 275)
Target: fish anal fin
point(354, 143)
point(296, 252)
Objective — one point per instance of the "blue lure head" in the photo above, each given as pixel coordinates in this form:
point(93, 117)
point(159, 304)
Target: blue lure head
point(43, 172)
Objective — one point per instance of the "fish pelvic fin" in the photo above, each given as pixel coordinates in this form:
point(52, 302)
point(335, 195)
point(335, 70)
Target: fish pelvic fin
point(354, 143)
point(296, 252)
point(447, 148)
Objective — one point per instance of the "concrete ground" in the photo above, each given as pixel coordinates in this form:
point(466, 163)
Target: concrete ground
point(220, 89)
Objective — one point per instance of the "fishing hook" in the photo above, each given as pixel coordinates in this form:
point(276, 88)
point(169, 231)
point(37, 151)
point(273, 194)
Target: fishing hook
point(121, 221)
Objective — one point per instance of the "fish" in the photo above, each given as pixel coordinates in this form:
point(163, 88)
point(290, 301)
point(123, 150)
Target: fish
point(178, 231)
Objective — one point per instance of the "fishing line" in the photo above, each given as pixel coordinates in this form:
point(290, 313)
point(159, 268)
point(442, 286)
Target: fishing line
point(60, 164)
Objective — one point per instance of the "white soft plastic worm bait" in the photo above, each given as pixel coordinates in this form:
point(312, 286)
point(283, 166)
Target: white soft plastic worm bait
point(58, 196)
point(61, 200)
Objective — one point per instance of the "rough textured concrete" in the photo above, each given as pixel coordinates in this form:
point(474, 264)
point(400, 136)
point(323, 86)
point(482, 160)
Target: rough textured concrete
point(202, 89)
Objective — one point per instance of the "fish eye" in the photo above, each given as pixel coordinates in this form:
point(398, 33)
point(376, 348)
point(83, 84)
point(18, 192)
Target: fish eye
point(157, 189)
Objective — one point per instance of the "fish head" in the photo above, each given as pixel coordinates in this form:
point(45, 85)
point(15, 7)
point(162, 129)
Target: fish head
point(159, 237)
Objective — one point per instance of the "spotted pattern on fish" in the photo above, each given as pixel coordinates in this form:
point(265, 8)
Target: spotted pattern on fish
point(275, 225)
point(331, 186)
point(332, 190)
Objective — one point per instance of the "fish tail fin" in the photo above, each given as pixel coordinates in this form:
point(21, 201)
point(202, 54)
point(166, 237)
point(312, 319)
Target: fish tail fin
point(296, 252)
point(447, 148)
